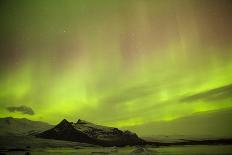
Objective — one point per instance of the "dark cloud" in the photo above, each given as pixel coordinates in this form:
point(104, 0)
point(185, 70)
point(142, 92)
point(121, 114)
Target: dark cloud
point(220, 93)
point(23, 109)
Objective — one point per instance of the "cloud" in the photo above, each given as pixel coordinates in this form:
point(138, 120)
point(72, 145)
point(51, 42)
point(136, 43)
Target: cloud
point(23, 109)
point(220, 93)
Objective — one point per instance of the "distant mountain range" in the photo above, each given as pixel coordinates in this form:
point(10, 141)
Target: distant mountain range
point(86, 132)
point(21, 126)
point(83, 131)
point(212, 124)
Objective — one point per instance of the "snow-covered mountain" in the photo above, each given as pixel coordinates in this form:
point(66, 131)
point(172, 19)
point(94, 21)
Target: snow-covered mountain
point(21, 126)
point(83, 131)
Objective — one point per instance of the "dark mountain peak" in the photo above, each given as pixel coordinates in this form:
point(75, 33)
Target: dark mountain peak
point(65, 131)
point(64, 124)
point(79, 121)
point(64, 121)
point(83, 131)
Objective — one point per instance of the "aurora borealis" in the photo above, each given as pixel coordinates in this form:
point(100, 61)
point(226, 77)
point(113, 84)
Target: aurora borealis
point(115, 62)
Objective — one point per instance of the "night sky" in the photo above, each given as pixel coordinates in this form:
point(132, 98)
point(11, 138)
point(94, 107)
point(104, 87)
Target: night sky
point(115, 62)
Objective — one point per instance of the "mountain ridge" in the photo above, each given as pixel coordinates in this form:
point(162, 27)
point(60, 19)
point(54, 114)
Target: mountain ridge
point(21, 126)
point(213, 123)
point(83, 131)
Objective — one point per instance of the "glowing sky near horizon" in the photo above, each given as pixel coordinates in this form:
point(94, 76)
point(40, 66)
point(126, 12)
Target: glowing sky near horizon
point(121, 63)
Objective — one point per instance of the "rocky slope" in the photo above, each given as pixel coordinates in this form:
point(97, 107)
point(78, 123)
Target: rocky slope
point(87, 132)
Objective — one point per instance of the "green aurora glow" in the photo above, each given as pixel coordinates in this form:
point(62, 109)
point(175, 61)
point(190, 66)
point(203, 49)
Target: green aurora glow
point(121, 63)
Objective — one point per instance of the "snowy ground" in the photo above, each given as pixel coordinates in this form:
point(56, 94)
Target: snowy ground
point(36, 146)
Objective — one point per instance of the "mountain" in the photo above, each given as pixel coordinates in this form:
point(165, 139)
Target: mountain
point(83, 131)
point(66, 131)
point(107, 134)
point(21, 126)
